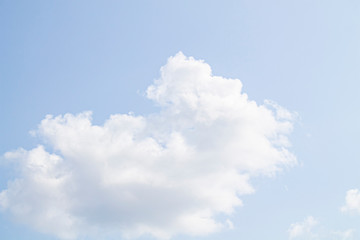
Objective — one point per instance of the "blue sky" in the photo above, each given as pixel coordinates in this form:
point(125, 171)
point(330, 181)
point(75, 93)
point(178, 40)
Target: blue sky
point(59, 57)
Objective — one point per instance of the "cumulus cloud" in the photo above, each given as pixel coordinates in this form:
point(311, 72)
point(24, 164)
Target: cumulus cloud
point(171, 172)
point(352, 204)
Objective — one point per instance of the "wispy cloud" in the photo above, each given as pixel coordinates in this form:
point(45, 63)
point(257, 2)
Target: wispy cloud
point(167, 173)
point(300, 229)
point(310, 228)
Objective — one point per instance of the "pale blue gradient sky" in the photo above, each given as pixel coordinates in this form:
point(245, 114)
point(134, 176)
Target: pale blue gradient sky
point(69, 56)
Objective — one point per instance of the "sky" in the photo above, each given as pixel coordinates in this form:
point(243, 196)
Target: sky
point(179, 119)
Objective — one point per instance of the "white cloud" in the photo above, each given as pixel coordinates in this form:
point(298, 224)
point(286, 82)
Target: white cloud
point(309, 229)
point(167, 173)
point(352, 199)
point(300, 229)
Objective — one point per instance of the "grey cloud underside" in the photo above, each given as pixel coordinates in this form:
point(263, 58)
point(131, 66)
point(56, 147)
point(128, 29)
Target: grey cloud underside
point(167, 173)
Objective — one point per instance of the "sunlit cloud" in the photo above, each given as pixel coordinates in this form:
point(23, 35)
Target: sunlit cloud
point(171, 172)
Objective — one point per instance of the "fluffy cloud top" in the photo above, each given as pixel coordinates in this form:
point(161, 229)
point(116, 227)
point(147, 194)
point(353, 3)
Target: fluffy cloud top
point(352, 201)
point(167, 173)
